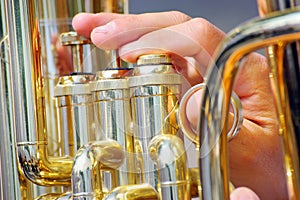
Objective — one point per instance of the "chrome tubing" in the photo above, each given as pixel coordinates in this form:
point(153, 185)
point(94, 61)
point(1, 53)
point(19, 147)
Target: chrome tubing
point(8, 166)
point(88, 163)
point(169, 154)
point(113, 119)
point(281, 28)
point(27, 99)
point(154, 92)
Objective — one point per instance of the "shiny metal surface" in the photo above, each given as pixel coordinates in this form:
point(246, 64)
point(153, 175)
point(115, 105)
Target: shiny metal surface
point(153, 106)
point(8, 168)
point(74, 108)
point(189, 131)
point(278, 29)
point(28, 99)
point(88, 163)
point(123, 154)
point(169, 154)
point(76, 43)
point(290, 73)
point(29, 116)
point(133, 192)
point(113, 120)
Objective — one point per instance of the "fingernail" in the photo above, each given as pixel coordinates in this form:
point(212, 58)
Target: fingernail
point(109, 27)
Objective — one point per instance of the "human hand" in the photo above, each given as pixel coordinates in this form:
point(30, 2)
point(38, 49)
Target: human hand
point(255, 155)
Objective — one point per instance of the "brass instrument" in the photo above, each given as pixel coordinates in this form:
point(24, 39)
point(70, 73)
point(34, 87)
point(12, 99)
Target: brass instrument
point(37, 154)
point(278, 32)
point(101, 129)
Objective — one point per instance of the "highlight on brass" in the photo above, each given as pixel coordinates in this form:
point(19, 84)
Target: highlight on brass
point(74, 128)
point(192, 134)
point(277, 33)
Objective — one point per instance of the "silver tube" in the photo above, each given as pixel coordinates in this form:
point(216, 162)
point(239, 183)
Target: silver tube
point(169, 154)
point(74, 112)
point(28, 99)
point(89, 161)
point(113, 117)
point(154, 90)
point(212, 125)
point(9, 181)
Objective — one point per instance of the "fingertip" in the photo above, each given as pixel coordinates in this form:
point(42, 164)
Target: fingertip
point(243, 193)
point(102, 37)
point(82, 23)
point(130, 57)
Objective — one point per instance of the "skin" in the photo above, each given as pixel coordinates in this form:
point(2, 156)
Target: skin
point(255, 155)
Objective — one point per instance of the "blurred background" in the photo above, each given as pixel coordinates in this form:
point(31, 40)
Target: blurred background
point(225, 14)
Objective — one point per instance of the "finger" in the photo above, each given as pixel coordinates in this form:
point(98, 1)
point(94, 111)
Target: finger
point(84, 23)
point(243, 193)
point(196, 38)
point(122, 30)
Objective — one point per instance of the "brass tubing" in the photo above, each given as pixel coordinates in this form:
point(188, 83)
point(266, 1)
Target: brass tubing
point(113, 117)
point(168, 153)
point(284, 62)
point(9, 183)
point(48, 196)
point(154, 91)
point(74, 112)
point(153, 107)
point(28, 99)
point(284, 27)
point(133, 192)
point(89, 161)
point(28, 116)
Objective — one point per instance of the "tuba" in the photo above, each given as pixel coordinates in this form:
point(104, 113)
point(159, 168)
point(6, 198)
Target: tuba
point(78, 123)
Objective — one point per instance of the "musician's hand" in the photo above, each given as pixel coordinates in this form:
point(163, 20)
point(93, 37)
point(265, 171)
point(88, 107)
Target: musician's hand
point(255, 154)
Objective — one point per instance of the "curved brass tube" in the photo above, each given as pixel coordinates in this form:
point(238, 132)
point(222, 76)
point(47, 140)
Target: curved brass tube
point(169, 154)
point(287, 86)
point(28, 116)
point(133, 192)
point(185, 125)
point(28, 99)
point(89, 161)
point(279, 29)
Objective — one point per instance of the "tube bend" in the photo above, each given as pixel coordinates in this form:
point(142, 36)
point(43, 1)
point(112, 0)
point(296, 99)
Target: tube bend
point(89, 160)
point(168, 153)
point(212, 127)
point(185, 125)
point(133, 192)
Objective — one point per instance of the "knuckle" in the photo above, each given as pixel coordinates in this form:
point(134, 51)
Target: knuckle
point(178, 17)
point(199, 24)
point(197, 27)
point(201, 28)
